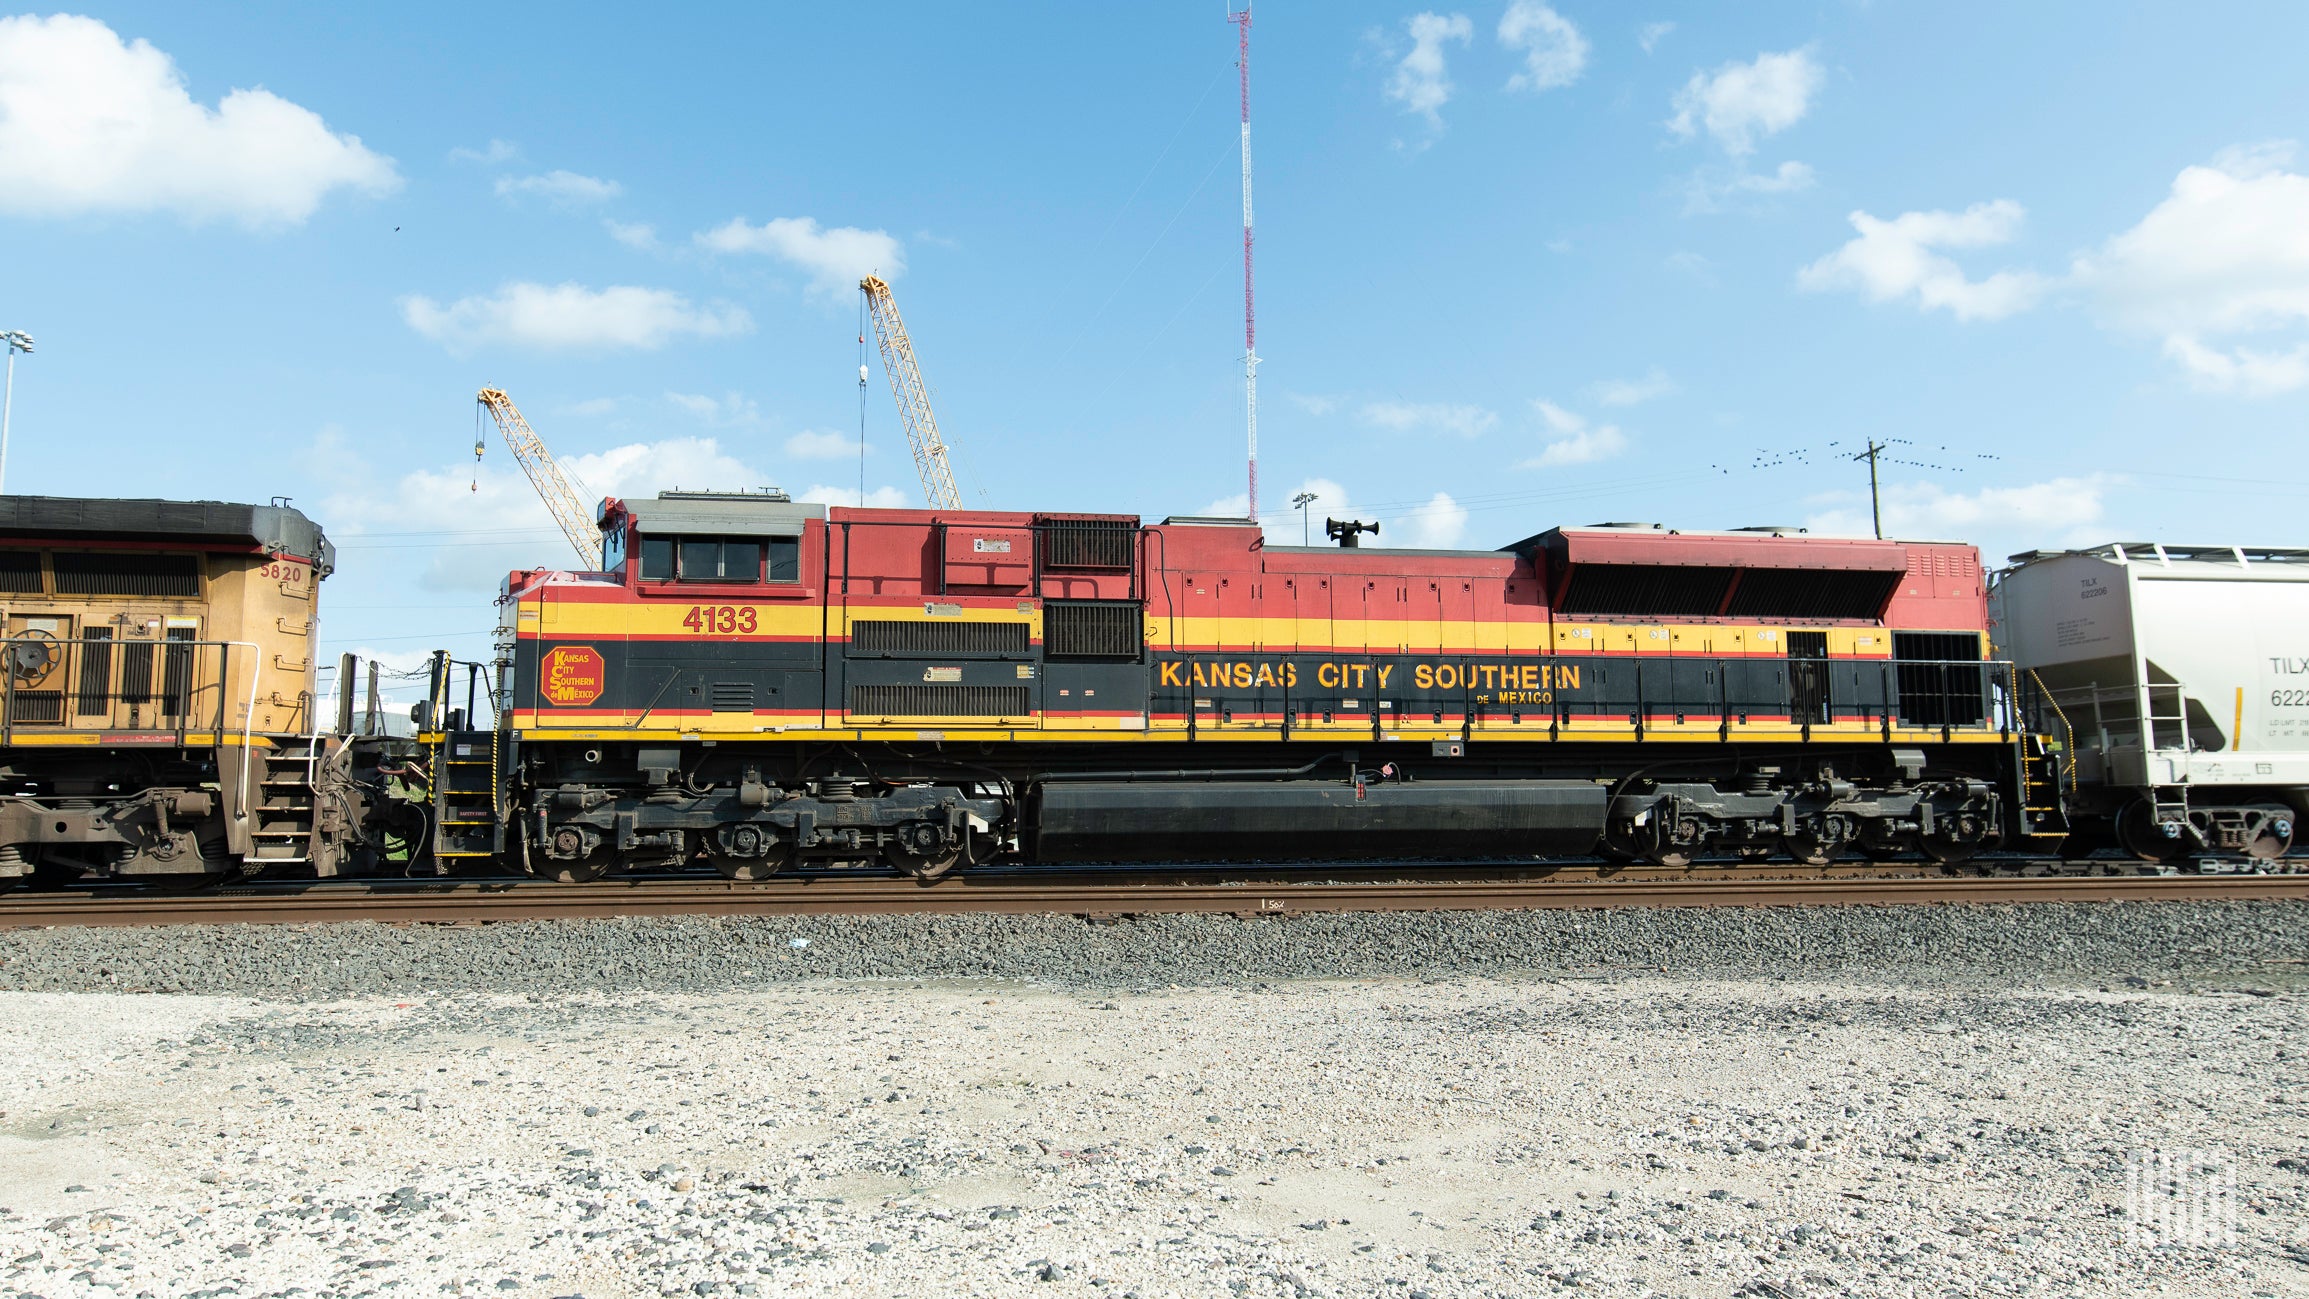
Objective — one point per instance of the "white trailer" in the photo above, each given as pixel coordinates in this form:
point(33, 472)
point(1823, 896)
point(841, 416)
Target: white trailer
point(2176, 679)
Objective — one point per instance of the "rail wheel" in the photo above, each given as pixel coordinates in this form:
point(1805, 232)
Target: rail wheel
point(1811, 849)
point(585, 870)
point(2139, 834)
point(750, 870)
point(924, 866)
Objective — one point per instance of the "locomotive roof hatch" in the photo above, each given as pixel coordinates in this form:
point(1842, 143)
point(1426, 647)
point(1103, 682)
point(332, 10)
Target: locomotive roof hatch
point(276, 529)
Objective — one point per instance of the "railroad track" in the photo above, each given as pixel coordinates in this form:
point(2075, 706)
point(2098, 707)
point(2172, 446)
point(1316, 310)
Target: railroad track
point(1111, 893)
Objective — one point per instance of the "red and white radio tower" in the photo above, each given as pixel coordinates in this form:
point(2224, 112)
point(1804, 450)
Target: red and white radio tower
point(1242, 20)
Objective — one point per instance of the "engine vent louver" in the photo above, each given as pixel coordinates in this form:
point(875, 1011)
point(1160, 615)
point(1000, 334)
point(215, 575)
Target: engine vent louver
point(941, 636)
point(1087, 545)
point(20, 572)
point(1644, 589)
point(1941, 679)
point(127, 573)
point(1090, 629)
point(1811, 593)
point(939, 701)
point(731, 696)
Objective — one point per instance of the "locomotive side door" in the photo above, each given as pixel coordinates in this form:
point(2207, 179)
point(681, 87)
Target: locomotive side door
point(1807, 677)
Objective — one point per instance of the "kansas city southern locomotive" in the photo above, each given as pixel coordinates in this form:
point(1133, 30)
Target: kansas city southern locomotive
point(761, 683)
point(758, 684)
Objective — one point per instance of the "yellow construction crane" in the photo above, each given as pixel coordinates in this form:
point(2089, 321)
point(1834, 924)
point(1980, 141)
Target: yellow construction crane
point(552, 485)
point(913, 397)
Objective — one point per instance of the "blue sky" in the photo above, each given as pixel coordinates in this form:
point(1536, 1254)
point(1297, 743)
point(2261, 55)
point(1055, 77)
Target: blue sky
point(1519, 265)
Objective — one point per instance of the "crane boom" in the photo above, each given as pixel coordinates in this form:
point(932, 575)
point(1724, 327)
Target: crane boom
point(546, 476)
point(912, 396)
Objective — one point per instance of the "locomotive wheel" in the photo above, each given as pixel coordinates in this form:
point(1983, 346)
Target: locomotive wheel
point(1949, 852)
point(921, 866)
point(1673, 858)
point(2138, 834)
point(749, 870)
point(1810, 849)
point(584, 870)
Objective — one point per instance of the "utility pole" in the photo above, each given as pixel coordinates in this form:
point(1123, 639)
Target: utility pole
point(1875, 510)
point(1242, 19)
point(1301, 502)
point(17, 341)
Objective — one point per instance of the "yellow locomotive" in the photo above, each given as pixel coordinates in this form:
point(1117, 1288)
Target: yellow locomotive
point(157, 691)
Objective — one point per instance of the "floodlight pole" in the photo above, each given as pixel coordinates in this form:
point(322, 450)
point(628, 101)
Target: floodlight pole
point(1301, 502)
point(17, 341)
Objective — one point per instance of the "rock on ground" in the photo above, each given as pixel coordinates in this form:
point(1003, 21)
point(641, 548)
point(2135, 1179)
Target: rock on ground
point(1494, 1135)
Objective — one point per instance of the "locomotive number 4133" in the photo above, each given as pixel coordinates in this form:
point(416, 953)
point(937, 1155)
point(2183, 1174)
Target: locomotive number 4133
point(721, 619)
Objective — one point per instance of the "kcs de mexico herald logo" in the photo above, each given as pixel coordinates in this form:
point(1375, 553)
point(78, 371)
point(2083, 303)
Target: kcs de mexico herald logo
point(573, 676)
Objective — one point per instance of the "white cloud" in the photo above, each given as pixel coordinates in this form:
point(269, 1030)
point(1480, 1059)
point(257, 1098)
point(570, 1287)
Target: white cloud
point(836, 259)
point(1707, 193)
point(564, 188)
point(1420, 83)
point(633, 234)
point(881, 498)
point(570, 316)
point(1896, 259)
point(1740, 102)
point(1553, 50)
point(1632, 392)
point(1650, 34)
point(89, 124)
point(1437, 417)
point(2243, 371)
point(732, 410)
point(2226, 253)
point(1437, 525)
point(2001, 520)
point(1574, 441)
point(495, 151)
point(1313, 405)
point(591, 407)
point(821, 444)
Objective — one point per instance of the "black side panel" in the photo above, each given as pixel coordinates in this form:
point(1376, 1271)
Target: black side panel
point(1283, 821)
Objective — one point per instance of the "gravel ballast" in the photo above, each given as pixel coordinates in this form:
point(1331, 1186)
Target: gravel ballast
point(704, 954)
point(1915, 1101)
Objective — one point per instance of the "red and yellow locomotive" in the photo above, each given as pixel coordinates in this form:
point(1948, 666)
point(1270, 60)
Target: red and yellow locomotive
point(759, 682)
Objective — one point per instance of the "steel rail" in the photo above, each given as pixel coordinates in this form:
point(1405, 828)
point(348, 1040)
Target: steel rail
point(1038, 893)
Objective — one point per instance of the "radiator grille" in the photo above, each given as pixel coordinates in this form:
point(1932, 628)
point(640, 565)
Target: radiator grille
point(126, 573)
point(943, 636)
point(939, 701)
point(1090, 629)
point(1942, 681)
point(1093, 545)
point(20, 572)
point(38, 706)
point(1658, 591)
point(1812, 593)
point(731, 696)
